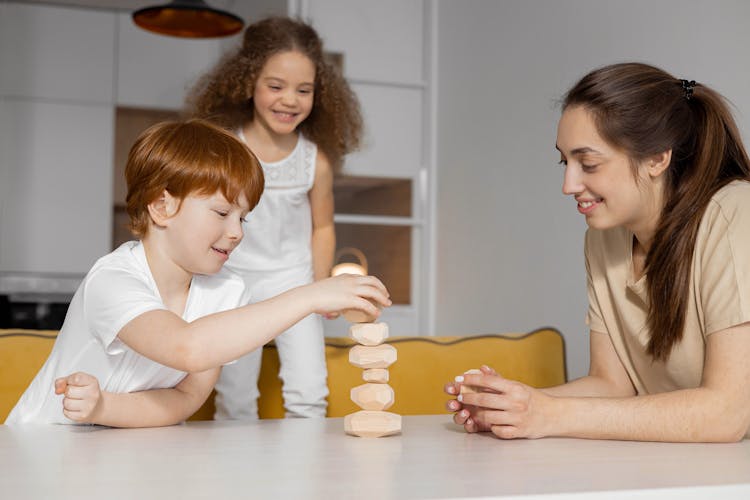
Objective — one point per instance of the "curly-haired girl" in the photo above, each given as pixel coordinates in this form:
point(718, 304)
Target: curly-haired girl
point(299, 116)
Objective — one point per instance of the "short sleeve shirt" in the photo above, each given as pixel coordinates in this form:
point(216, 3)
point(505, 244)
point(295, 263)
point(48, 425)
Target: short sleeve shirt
point(718, 296)
point(117, 289)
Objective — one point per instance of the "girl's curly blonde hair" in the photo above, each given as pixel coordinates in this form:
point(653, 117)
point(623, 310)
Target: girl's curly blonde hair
point(224, 95)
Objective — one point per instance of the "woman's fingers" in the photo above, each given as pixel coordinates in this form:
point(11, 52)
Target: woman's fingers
point(491, 381)
point(487, 370)
point(453, 405)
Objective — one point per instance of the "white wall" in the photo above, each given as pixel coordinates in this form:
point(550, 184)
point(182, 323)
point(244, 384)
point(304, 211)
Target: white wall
point(56, 141)
point(509, 243)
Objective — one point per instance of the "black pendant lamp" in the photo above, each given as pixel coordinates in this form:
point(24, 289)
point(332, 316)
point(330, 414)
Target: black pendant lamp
point(187, 19)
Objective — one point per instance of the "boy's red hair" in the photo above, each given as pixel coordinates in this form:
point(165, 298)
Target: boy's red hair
point(188, 157)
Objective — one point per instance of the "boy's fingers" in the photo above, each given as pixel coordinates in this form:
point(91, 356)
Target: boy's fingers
point(73, 404)
point(373, 295)
point(375, 282)
point(60, 385)
point(81, 379)
point(367, 307)
point(75, 416)
point(77, 392)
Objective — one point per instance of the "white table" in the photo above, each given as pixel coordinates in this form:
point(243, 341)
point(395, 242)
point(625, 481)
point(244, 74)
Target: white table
point(311, 459)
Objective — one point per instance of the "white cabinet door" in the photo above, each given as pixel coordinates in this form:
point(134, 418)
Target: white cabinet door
point(381, 41)
point(56, 193)
point(56, 53)
point(393, 132)
point(155, 71)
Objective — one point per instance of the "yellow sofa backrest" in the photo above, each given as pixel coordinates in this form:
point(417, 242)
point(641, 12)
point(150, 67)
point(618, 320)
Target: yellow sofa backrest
point(424, 365)
point(22, 354)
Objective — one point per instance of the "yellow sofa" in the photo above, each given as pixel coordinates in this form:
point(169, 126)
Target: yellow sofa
point(424, 365)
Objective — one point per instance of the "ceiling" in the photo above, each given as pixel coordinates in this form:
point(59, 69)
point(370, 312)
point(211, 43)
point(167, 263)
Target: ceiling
point(247, 10)
point(122, 5)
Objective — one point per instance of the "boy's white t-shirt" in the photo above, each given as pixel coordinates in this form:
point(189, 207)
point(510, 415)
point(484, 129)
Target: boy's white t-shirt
point(117, 289)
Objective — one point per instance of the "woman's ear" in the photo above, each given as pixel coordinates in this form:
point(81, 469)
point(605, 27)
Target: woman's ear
point(659, 163)
point(163, 208)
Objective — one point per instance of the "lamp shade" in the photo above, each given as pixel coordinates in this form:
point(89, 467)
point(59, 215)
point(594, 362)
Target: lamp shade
point(187, 19)
point(350, 267)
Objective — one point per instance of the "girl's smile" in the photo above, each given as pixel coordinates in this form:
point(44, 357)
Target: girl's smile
point(286, 117)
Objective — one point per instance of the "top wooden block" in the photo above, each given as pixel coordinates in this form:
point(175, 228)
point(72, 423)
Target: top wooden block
point(357, 316)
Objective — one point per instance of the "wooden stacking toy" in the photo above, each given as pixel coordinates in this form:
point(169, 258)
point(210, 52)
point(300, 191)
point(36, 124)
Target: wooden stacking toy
point(375, 395)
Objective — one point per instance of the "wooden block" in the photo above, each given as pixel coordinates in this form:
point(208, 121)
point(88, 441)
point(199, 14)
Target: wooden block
point(357, 316)
point(369, 333)
point(379, 356)
point(468, 389)
point(377, 375)
point(372, 423)
point(373, 396)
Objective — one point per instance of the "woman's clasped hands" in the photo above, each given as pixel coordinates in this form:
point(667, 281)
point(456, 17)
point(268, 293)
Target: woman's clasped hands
point(507, 408)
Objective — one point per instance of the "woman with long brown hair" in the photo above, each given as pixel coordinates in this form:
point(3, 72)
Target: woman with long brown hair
point(657, 167)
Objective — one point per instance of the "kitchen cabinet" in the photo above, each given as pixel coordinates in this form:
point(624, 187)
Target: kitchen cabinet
point(155, 71)
point(381, 41)
point(388, 63)
point(56, 161)
point(393, 132)
point(56, 53)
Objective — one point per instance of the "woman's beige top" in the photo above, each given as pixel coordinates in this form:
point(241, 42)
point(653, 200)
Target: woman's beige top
point(719, 295)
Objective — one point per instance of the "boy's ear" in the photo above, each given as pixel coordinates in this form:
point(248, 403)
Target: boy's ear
point(659, 163)
point(163, 208)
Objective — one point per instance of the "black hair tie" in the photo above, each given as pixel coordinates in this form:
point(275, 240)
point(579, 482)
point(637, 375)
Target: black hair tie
point(687, 87)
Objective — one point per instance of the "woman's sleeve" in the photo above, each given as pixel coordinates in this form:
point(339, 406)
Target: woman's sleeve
point(722, 265)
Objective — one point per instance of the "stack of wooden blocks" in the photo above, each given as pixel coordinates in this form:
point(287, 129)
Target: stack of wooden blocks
point(375, 395)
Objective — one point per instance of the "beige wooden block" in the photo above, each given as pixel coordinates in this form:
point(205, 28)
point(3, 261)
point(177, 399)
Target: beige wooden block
point(468, 389)
point(376, 375)
point(357, 316)
point(369, 333)
point(372, 423)
point(373, 396)
point(379, 356)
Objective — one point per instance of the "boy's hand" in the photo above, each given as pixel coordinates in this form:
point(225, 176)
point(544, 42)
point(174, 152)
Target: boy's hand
point(82, 396)
point(349, 291)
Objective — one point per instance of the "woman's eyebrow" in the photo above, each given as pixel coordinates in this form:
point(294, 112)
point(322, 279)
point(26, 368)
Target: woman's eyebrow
point(579, 151)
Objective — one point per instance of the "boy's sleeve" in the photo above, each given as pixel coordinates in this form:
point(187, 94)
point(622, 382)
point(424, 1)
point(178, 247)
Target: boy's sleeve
point(111, 299)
